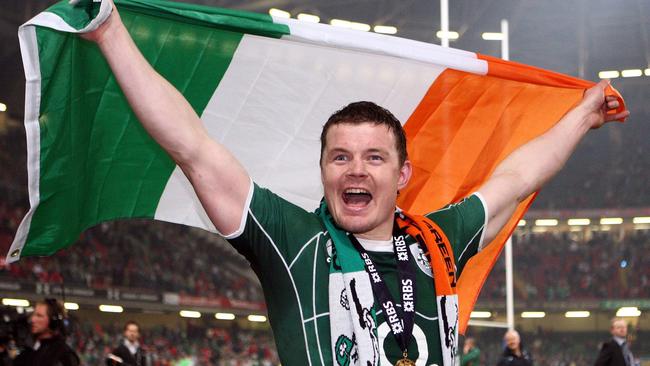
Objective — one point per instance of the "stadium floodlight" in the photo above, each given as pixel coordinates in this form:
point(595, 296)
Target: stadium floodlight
point(311, 18)
point(71, 306)
point(521, 223)
point(533, 314)
point(611, 220)
point(111, 308)
point(256, 318)
point(448, 35)
point(3, 107)
point(641, 220)
point(578, 222)
point(577, 314)
point(384, 29)
point(492, 36)
point(350, 25)
point(480, 315)
point(628, 311)
point(609, 74)
point(224, 316)
point(360, 26)
point(189, 314)
point(632, 73)
point(15, 302)
point(340, 23)
point(546, 222)
point(278, 13)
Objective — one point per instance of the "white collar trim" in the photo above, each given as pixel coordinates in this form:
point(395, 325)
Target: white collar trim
point(383, 246)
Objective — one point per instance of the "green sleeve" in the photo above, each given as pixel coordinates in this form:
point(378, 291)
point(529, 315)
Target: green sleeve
point(471, 358)
point(464, 224)
point(273, 227)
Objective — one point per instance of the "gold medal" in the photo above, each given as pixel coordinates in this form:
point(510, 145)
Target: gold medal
point(405, 361)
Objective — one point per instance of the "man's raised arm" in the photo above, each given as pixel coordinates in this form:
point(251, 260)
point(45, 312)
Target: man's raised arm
point(529, 167)
point(220, 181)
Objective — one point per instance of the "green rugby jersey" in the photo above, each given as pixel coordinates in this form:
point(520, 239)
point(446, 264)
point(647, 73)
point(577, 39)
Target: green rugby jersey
point(289, 249)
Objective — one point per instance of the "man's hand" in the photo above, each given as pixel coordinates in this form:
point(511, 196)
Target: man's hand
point(107, 29)
point(597, 107)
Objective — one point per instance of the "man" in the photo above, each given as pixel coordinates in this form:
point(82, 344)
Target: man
point(323, 306)
point(47, 327)
point(129, 352)
point(514, 354)
point(471, 353)
point(616, 351)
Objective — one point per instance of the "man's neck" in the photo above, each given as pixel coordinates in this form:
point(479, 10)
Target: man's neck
point(44, 336)
point(382, 232)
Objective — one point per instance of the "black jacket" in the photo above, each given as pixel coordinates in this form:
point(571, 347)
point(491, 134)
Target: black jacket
point(52, 352)
point(611, 354)
point(139, 359)
point(510, 359)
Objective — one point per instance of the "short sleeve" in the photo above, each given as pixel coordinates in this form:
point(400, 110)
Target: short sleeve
point(273, 226)
point(464, 224)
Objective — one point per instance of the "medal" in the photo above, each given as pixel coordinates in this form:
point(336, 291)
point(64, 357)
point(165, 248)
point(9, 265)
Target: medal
point(405, 361)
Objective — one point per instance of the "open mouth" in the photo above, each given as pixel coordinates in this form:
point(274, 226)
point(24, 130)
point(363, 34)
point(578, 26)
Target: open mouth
point(357, 197)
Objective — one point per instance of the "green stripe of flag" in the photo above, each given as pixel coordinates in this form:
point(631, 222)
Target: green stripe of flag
point(97, 163)
point(226, 19)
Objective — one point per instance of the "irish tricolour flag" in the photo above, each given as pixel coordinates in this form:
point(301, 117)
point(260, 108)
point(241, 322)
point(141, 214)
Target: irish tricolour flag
point(263, 87)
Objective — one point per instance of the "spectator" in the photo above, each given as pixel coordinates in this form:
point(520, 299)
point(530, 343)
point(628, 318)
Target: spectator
point(129, 352)
point(514, 354)
point(471, 353)
point(616, 351)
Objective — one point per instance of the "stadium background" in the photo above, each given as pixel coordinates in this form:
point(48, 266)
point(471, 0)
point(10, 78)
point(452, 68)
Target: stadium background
point(154, 270)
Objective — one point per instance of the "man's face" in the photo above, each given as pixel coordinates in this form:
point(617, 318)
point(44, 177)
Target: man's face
point(361, 175)
point(40, 321)
point(512, 340)
point(619, 329)
point(132, 333)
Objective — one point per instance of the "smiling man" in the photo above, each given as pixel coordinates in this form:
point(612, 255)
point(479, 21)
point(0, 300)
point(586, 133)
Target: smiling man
point(349, 284)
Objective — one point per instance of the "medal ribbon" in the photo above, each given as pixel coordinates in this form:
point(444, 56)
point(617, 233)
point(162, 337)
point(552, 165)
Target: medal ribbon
point(400, 320)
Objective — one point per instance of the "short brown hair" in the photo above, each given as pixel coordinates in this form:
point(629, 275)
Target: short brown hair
point(364, 112)
point(131, 322)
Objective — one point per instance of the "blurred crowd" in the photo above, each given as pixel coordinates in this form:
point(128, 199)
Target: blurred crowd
point(550, 266)
point(142, 255)
point(556, 266)
point(195, 344)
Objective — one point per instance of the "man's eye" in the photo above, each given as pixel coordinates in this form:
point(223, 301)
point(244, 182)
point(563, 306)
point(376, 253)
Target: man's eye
point(340, 158)
point(376, 157)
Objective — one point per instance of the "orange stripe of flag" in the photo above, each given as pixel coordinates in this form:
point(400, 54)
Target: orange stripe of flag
point(464, 126)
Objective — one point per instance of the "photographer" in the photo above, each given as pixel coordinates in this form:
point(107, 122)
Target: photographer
point(5, 357)
point(48, 332)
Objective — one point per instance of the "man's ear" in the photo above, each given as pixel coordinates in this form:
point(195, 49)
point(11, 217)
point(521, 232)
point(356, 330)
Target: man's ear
point(404, 174)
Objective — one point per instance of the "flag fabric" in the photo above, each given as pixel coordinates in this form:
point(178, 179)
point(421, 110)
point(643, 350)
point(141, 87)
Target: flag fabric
point(263, 87)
